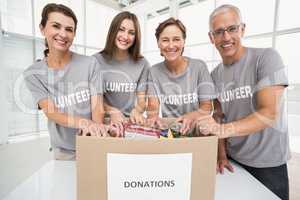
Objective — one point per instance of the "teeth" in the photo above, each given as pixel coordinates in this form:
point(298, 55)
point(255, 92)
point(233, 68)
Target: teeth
point(226, 45)
point(60, 41)
point(172, 51)
point(123, 42)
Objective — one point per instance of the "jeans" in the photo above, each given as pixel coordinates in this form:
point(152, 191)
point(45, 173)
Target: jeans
point(274, 178)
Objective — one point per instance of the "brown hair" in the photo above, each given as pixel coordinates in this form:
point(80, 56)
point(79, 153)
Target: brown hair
point(60, 8)
point(110, 47)
point(169, 22)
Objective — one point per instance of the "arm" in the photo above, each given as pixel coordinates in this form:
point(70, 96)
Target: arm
point(116, 120)
point(110, 109)
point(205, 107)
point(116, 116)
point(267, 99)
point(136, 115)
point(97, 109)
point(70, 121)
point(188, 119)
point(153, 107)
point(222, 160)
point(153, 111)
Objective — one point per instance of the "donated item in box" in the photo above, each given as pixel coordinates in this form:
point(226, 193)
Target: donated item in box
point(134, 131)
point(120, 168)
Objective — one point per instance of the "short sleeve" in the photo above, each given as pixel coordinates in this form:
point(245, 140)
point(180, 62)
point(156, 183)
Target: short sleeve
point(270, 70)
point(143, 80)
point(96, 78)
point(205, 88)
point(36, 87)
point(215, 79)
point(152, 89)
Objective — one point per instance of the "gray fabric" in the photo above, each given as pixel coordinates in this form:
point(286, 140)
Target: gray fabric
point(237, 85)
point(180, 94)
point(122, 79)
point(70, 88)
point(62, 154)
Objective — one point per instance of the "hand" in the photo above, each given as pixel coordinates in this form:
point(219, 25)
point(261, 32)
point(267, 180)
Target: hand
point(155, 122)
point(188, 122)
point(115, 131)
point(137, 117)
point(222, 163)
point(207, 125)
point(117, 119)
point(94, 129)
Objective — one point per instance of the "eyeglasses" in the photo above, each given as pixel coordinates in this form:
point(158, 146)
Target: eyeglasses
point(231, 30)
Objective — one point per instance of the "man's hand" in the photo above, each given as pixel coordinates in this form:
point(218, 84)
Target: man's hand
point(223, 163)
point(207, 125)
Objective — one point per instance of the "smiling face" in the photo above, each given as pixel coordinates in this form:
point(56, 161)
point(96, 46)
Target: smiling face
point(171, 43)
point(59, 32)
point(229, 42)
point(125, 36)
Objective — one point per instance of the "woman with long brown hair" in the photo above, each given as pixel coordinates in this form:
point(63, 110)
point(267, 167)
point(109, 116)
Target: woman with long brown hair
point(124, 71)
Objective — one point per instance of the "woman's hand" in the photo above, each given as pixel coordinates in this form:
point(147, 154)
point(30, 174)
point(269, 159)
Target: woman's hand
point(117, 120)
point(116, 130)
point(137, 117)
point(117, 117)
point(94, 129)
point(155, 122)
point(188, 122)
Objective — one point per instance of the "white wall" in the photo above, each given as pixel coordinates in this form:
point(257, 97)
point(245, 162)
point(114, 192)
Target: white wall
point(20, 160)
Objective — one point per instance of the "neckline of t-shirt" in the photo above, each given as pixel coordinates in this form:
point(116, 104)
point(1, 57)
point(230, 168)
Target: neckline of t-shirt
point(244, 57)
point(116, 62)
point(179, 75)
point(73, 55)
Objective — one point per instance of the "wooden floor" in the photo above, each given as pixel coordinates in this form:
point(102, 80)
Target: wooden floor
point(294, 176)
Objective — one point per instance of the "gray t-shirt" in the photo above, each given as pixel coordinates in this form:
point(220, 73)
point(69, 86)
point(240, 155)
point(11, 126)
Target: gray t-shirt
point(122, 79)
point(70, 88)
point(180, 94)
point(237, 85)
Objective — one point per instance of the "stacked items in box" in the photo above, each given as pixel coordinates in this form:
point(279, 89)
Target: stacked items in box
point(141, 132)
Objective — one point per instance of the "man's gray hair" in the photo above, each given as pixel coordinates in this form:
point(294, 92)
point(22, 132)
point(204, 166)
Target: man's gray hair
point(222, 9)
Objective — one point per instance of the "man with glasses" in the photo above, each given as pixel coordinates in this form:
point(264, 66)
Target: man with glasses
point(250, 108)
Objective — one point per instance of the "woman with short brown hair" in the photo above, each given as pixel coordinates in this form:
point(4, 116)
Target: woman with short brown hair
point(180, 86)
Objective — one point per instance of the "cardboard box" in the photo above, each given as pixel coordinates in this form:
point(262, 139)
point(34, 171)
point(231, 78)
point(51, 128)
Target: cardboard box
point(92, 162)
